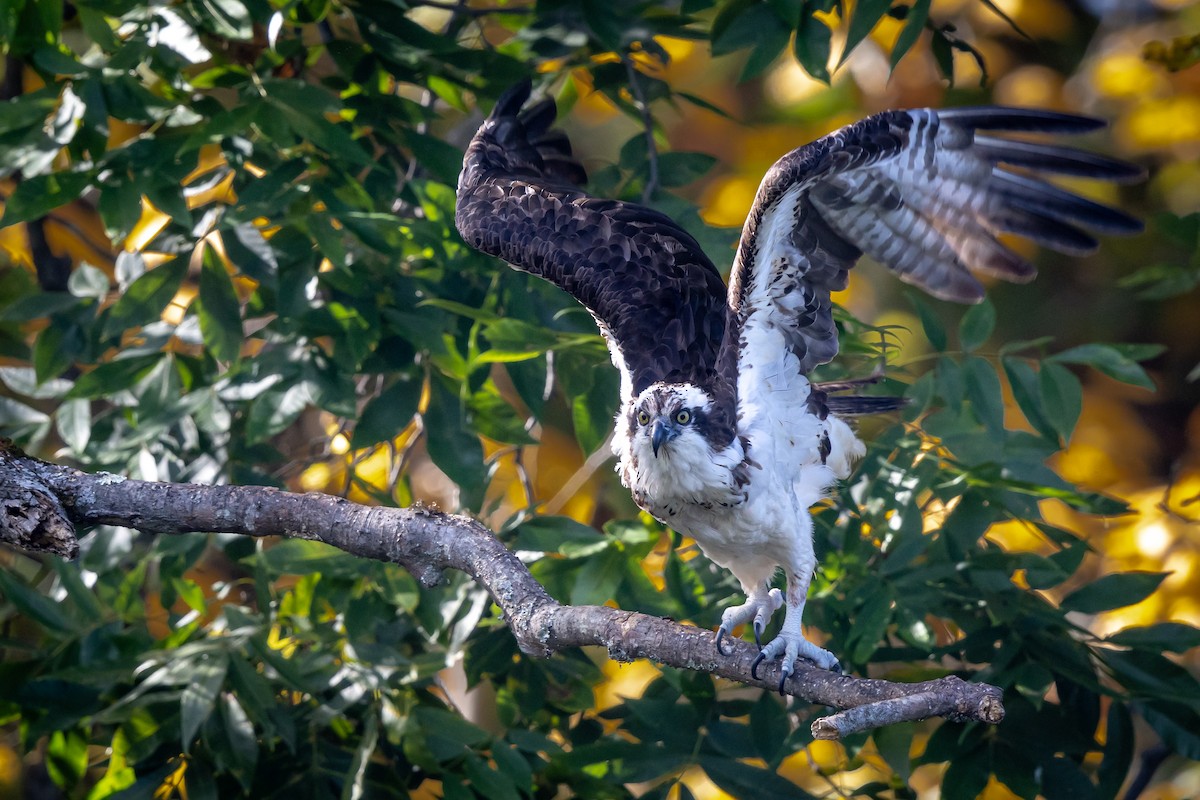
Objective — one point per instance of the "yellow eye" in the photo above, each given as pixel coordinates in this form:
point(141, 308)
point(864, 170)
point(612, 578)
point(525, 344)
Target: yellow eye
point(683, 417)
point(643, 418)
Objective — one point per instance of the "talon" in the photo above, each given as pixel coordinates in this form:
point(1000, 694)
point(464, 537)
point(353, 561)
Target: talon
point(720, 636)
point(785, 673)
point(758, 629)
point(837, 667)
point(754, 667)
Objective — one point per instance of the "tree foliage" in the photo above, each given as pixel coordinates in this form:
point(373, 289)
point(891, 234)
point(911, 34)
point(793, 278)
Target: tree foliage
point(268, 284)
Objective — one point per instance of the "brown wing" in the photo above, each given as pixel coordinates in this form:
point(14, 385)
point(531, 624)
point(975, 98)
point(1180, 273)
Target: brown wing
point(658, 299)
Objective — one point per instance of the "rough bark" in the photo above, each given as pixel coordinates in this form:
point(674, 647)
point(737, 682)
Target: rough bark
point(41, 505)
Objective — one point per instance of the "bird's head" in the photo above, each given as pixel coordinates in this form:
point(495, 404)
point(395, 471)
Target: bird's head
point(670, 417)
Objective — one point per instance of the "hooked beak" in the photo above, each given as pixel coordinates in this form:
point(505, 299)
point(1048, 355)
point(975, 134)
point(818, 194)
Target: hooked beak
point(663, 432)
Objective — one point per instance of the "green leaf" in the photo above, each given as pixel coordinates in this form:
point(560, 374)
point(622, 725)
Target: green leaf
point(66, 758)
point(1118, 751)
point(386, 415)
point(1117, 361)
point(1025, 384)
point(57, 347)
point(250, 252)
point(219, 310)
point(453, 446)
point(935, 331)
point(863, 19)
point(977, 325)
point(38, 305)
point(914, 23)
point(593, 411)
point(550, 534)
point(111, 377)
point(239, 734)
point(146, 297)
point(37, 196)
point(1175, 637)
point(207, 671)
point(771, 42)
point(812, 47)
point(35, 605)
point(681, 168)
point(894, 743)
point(73, 420)
point(1177, 725)
point(1113, 591)
point(739, 24)
point(983, 390)
point(1062, 397)
point(744, 780)
point(943, 54)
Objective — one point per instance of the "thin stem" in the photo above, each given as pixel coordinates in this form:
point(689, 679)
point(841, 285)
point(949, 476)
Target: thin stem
point(639, 98)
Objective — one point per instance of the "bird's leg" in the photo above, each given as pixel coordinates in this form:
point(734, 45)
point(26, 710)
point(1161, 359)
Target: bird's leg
point(760, 605)
point(790, 642)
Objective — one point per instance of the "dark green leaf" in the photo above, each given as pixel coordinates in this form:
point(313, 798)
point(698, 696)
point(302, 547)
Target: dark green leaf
point(387, 414)
point(812, 46)
point(1118, 751)
point(36, 196)
point(35, 605)
point(863, 19)
point(935, 331)
point(1025, 385)
point(199, 697)
point(1119, 362)
point(977, 325)
point(1175, 637)
point(983, 390)
point(914, 23)
point(454, 448)
point(1113, 591)
point(113, 376)
point(240, 739)
point(593, 411)
point(1177, 725)
point(680, 168)
point(1062, 397)
point(144, 300)
point(219, 310)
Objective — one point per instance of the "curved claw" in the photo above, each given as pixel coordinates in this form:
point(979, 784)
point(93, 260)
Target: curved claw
point(754, 667)
point(837, 667)
point(758, 629)
point(721, 632)
point(784, 674)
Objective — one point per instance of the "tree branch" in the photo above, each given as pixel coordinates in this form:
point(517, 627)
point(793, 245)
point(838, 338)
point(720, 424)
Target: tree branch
point(41, 503)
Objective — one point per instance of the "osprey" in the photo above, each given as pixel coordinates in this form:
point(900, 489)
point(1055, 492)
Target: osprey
point(720, 433)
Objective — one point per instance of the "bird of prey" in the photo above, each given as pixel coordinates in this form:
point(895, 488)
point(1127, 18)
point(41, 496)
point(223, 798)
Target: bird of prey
point(720, 433)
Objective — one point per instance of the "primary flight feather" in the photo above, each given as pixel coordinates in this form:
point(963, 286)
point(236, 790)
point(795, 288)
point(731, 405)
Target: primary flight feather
point(720, 433)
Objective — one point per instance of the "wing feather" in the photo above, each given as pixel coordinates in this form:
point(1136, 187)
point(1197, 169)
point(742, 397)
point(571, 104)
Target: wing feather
point(922, 193)
point(658, 300)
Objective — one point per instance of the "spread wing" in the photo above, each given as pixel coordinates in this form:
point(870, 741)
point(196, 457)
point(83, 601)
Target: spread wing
point(922, 192)
point(658, 300)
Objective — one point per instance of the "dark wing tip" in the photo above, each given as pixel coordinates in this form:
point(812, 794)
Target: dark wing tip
point(860, 405)
point(1031, 120)
point(510, 102)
